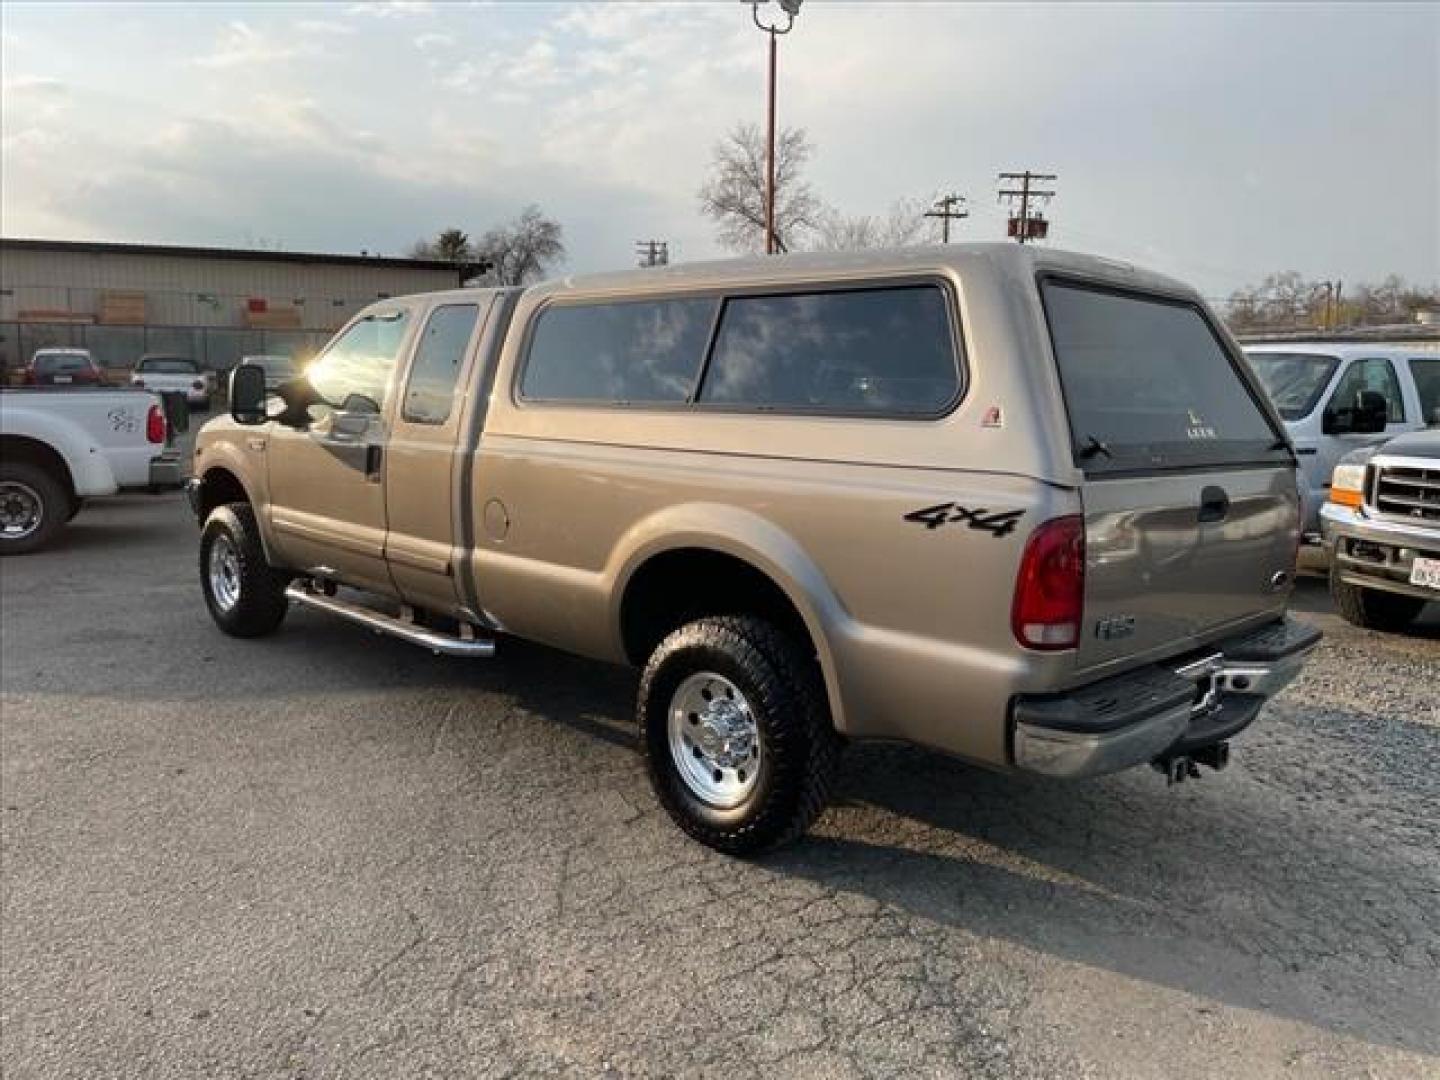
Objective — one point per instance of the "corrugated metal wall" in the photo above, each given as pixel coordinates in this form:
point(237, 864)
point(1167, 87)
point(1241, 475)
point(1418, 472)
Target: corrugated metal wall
point(193, 304)
point(192, 291)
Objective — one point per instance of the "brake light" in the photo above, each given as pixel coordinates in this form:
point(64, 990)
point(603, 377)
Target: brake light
point(1050, 588)
point(155, 425)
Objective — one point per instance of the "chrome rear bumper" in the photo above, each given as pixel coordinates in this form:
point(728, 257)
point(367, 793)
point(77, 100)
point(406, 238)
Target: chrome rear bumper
point(1160, 710)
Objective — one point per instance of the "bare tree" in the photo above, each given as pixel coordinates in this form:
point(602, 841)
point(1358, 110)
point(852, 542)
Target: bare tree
point(734, 195)
point(902, 225)
point(523, 250)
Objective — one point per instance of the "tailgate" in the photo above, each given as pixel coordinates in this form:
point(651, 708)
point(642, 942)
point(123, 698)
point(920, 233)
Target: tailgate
point(1172, 560)
point(1191, 505)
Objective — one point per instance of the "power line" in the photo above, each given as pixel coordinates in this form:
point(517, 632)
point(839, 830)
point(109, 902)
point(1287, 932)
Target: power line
point(653, 252)
point(946, 212)
point(1027, 226)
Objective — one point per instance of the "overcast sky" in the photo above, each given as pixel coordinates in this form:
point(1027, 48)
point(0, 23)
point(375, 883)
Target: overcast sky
point(1215, 142)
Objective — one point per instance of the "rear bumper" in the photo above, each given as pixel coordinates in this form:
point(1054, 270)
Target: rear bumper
point(1376, 553)
point(1160, 710)
point(167, 471)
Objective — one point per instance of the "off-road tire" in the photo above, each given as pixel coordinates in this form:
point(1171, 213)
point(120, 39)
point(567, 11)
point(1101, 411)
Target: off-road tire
point(1373, 609)
point(261, 604)
point(781, 680)
point(54, 503)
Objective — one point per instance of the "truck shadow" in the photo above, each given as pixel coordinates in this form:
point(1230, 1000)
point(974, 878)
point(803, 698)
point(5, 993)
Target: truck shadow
point(1229, 890)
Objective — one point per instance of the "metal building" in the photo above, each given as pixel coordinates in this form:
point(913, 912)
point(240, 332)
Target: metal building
point(212, 304)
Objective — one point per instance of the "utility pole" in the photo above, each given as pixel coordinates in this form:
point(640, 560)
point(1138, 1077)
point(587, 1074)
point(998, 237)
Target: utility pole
point(653, 252)
point(946, 212)
point(791, 8)
point(1027, 226)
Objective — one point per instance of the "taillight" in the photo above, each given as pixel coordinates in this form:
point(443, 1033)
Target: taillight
point(1050, 589)
point(155, 425)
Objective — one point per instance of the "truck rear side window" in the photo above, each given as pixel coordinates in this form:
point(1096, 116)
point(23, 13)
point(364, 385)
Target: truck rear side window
point(883, 351)
point(643, 351)
point(436, 367)
point(1148, 384)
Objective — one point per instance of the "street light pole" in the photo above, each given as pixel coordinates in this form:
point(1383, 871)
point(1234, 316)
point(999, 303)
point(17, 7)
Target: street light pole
point(774, 30)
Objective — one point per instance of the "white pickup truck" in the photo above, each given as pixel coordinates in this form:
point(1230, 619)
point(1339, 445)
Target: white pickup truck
point(60, 447)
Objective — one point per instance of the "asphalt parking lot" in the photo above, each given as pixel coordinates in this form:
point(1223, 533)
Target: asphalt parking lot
point(328, 854)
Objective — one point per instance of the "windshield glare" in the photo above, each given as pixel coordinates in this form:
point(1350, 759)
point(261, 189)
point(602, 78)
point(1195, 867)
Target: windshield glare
point(1294, 381)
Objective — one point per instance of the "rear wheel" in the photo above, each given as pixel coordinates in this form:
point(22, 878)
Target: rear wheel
point(34, 506)
point(1373, 608)
point(245, 594)
point(737, 734)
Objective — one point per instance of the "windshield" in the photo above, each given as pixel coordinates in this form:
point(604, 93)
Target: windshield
point(58, 363)
point(167, 365)
point(1148, 384)
point(1294, 381)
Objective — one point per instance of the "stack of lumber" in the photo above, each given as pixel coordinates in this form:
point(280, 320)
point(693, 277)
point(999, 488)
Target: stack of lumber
point(122, 307)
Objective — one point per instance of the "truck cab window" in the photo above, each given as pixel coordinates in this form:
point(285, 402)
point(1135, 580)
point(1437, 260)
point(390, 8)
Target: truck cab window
point(358, 363)
point(1426, 370)
point(438, 358)
point(1376, 374)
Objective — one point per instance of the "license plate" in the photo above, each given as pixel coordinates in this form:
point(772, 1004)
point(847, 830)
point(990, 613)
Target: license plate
point(63, 379)
point(1425, 573)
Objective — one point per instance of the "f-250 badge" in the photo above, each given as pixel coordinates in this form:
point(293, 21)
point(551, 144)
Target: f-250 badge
point(1000, 523)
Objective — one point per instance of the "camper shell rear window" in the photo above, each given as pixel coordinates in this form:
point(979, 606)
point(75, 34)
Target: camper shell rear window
point(1149, 385)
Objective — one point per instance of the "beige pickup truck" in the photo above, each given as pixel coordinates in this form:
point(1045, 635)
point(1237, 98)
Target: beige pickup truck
point(1024, 507)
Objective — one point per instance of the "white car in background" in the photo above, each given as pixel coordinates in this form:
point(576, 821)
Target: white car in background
point(165, 373)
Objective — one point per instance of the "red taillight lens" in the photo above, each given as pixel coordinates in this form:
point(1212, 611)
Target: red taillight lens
point(155, 425)
point(1050, 590)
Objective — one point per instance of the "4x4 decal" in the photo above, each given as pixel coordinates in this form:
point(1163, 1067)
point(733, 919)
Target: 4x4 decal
point(1000, 523)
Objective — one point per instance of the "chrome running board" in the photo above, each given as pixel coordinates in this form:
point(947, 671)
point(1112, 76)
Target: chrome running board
point(434, 640)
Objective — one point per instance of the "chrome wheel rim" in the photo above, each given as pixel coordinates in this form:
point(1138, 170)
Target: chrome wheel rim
point(224, 571)
point(21, 510)
point(714, 739)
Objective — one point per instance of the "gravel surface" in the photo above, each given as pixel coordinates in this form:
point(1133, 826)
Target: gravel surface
point(328, 854)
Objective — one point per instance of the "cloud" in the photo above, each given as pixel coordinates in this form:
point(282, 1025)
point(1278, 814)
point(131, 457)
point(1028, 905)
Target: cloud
point(391, 9)
point(323, 27)
point(241, 45)
point(426, 42)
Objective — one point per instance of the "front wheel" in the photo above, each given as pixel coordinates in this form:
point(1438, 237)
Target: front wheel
point(1373, 609)
point(245, 594)
point(737, 734)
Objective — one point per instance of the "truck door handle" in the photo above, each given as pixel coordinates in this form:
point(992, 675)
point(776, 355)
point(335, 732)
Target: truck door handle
point(1214, 504)
point(373, 454)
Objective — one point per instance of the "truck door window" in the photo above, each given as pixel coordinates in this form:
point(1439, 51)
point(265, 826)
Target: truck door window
point(1426, 370)
point(887, 351)
point(357, 365)
point(639, 351)
point(438, 357)
point(1372, 373)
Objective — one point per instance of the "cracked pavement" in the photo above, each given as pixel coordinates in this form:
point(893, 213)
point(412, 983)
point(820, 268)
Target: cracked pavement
point(328, 854)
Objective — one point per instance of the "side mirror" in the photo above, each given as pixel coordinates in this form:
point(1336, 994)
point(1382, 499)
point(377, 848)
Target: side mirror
point(247, 395)
point(1372, 412)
